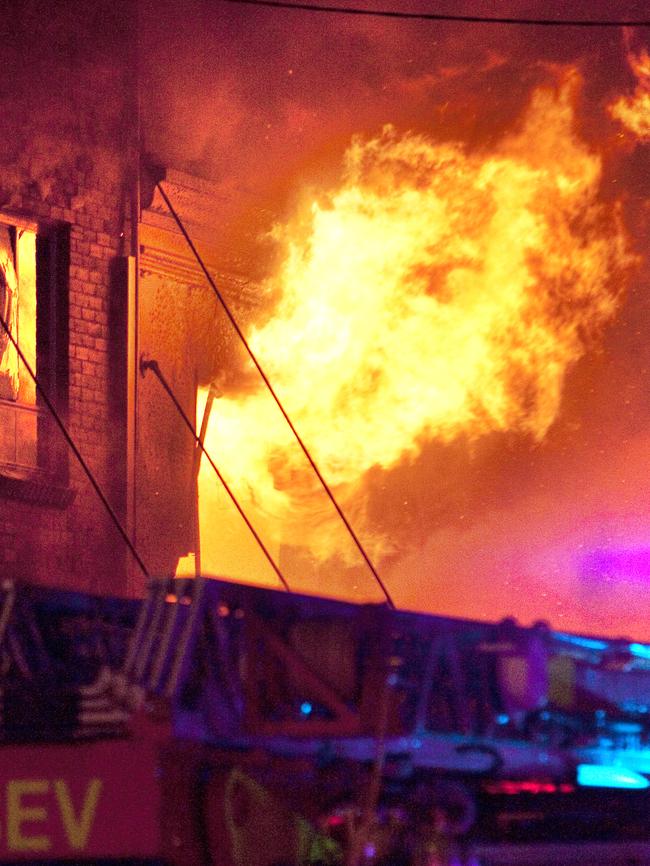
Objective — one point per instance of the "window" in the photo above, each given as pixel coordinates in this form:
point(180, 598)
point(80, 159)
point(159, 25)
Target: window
point(33, 302)
point(18, 307)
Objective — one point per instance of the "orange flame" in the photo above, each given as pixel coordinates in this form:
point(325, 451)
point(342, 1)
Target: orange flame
point(437, 293)
point(634, 111)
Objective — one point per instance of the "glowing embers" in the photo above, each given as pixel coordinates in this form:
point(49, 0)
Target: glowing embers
point(436, 294)
point(605, 776)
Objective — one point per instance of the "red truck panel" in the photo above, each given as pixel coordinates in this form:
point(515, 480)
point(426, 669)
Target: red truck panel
point(79, 801)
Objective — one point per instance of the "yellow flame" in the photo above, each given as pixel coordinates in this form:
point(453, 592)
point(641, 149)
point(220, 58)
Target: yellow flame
point(437, 293)
point(634, 111)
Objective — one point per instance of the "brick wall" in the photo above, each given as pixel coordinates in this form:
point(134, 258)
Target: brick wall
point(66, 159)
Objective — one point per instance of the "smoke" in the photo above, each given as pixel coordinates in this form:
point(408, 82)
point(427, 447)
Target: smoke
point(230, 91)
point(265, 103)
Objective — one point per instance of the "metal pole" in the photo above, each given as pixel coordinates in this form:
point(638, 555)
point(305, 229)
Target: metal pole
point(155, 369)
point(212, 393)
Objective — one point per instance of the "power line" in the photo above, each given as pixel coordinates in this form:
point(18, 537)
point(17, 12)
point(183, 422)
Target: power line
point(68, 438)
point(277, 400)
point(435, 16)
point(155, 369)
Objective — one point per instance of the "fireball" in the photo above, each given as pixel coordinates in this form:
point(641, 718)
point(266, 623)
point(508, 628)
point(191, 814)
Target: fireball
point(437, 293)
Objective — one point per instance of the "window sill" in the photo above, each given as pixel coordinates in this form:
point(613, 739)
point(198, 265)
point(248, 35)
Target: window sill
point(34, 487)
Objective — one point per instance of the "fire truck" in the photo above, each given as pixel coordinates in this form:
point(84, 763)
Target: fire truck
point(232, 725)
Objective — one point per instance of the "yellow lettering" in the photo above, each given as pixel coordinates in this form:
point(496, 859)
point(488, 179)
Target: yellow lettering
point(77, 828)
point(18, 814)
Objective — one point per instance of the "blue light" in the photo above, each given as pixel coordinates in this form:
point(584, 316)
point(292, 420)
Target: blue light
point(607, 776)
point(306, 708)
point(582, 642)
point(640, 650)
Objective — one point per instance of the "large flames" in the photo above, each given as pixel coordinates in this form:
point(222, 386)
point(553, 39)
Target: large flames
point(437, 293)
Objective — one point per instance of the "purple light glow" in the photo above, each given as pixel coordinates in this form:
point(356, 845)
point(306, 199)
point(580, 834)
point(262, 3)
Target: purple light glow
point(631, 564)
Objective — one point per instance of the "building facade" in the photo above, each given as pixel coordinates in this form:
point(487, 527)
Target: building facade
point(66, 201)
point(95, 276)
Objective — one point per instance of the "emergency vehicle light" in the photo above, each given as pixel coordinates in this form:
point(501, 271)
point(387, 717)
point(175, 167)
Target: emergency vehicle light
point(608, 776)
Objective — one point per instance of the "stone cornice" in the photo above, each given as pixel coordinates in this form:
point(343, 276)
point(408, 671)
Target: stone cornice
point(163, 250)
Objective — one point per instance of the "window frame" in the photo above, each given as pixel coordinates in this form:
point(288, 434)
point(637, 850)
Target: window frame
point(52, 268)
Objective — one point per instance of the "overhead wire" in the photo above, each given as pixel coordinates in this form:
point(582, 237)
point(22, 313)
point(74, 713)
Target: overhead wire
point(377, 13)
point(146, 364)
point(75, 450)
point(274, 395)
point(442, 17)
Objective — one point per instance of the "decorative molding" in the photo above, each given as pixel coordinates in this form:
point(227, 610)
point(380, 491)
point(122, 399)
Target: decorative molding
point(200, 205)
point(198, 202)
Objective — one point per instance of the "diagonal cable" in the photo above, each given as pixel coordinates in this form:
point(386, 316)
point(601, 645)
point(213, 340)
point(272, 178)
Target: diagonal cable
point(277, 400)
point(68, 438)
point(155, 369)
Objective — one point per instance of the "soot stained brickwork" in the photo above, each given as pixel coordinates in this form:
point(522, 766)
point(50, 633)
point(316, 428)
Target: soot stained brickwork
point(67, 170)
